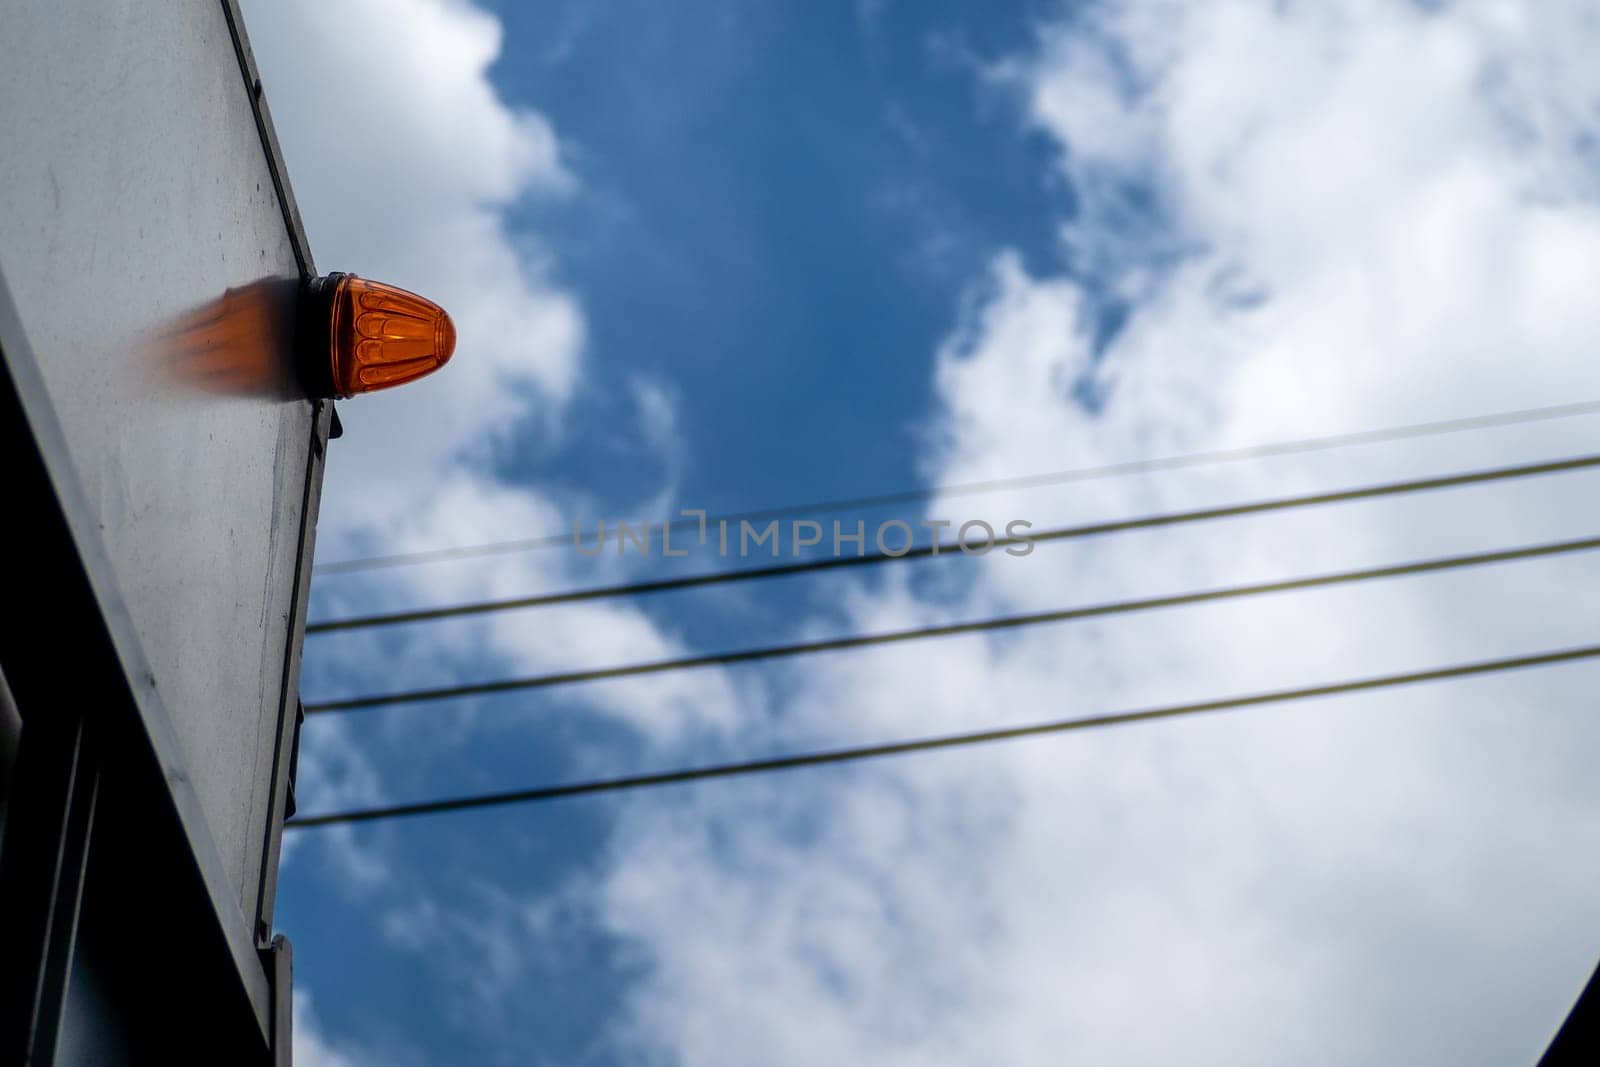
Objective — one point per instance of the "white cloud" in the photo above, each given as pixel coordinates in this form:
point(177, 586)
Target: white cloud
point(567, 637)
point(406, 165)
point(478, 950)
point(311, 1047)
point(404, 160)
point(1368, 213)
point(1365, 213)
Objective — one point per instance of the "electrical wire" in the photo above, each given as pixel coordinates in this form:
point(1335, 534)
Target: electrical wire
point(946, 741)
point(952, 629)
point(930, 550)
point(1027, 481)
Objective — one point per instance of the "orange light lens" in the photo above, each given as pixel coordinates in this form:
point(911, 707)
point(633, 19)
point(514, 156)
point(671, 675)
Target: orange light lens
point(381, 336)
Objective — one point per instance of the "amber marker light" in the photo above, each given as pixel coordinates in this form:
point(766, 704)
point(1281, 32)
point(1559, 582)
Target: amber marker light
point(359, 336)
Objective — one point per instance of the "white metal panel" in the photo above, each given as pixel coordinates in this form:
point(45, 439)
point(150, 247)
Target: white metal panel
point(153, 272)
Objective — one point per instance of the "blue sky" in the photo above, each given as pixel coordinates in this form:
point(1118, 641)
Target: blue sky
point(726, 256)
point(780, 208)
point(777, 232)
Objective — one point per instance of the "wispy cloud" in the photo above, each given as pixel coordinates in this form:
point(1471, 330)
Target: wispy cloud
point(408, 166)
point(1315, 217)
point(1320, 217)
point(406, 161)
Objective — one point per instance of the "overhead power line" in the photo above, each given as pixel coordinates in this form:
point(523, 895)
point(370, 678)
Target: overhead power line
point(946, 741)
point(779, 570)
point(1027, 481)
point(952, 629)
